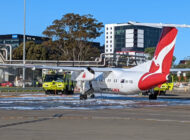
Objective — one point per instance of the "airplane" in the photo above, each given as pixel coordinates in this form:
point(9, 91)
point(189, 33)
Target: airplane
point(133, 80)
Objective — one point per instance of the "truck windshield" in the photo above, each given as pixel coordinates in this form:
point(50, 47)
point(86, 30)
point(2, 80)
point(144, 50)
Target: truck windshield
point(50, 78)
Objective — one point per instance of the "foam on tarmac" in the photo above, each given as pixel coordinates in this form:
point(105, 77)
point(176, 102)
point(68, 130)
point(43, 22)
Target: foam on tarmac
point(102, 101)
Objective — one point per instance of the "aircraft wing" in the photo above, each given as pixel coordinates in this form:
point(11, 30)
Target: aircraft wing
point(56, 67)
point(78, 73)
point(180, 69)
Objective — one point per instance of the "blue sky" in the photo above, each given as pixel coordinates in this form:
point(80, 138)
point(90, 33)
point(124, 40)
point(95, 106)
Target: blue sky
point(41, 13)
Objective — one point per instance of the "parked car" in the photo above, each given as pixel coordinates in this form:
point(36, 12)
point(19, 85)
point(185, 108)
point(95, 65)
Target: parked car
point(7, 84)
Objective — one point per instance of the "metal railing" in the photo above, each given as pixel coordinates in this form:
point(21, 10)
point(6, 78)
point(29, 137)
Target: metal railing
point(99, 63)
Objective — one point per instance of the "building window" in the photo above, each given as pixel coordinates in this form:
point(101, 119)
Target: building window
point(107, 37)
point(110, 36)
point(111, 46)
point(110, 41)
point(106, 50)
point(110, 50)
point(106, 41)
point(106, 28)
point(110, 32)
point(106, 46)
point(106, 32)
point(110, 28)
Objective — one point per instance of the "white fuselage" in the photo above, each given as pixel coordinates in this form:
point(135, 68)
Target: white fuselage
point(120, 81)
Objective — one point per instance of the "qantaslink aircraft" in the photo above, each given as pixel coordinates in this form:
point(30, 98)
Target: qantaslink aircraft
point(126, 81)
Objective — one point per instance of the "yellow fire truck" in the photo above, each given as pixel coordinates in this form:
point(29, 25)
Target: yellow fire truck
point(58, 84)
point(164, 87)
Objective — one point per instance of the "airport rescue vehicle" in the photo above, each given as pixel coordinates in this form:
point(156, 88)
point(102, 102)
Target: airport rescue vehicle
point(54, 83)
point(161, 90)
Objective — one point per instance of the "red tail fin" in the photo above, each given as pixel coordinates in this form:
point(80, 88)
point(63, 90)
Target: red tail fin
point(162, 60)
point(164, 51)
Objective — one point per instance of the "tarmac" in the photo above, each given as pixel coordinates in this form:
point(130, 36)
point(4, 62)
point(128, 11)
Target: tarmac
point(133, 123)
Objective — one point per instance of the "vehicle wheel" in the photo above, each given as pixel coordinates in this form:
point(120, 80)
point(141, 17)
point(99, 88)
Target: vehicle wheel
point(92, 96)
point(59, 92)
point(66, 91)
point(156, 92)
point(162, 92)
point(47, 92)
point(71, 92)
point(52, 92)
point(83, 96)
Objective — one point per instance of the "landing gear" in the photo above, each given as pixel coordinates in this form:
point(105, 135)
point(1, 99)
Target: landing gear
point(83, 96)
point(92, 96)
point(153, 95)
point(88, 93)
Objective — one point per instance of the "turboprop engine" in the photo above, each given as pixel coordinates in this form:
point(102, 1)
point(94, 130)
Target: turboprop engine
point(86, 75)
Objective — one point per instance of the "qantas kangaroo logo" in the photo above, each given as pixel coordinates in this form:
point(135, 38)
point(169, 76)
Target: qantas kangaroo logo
point(161, 61)
point(158, 60)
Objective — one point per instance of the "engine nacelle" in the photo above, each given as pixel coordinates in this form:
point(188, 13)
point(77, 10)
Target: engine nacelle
point(86, 75)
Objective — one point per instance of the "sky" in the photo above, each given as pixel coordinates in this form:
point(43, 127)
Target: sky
point(41, 13)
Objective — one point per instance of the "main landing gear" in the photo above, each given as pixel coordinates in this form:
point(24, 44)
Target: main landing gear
point(89, 93)
point(153, 95)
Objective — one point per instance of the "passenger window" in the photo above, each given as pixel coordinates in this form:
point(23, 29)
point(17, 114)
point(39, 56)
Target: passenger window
point(131, 81)
point(122, 81)
point(109, 80)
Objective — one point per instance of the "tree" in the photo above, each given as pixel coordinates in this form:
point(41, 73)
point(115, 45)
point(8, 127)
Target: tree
point(72, 33)
point(150, 51)
point(33, 52)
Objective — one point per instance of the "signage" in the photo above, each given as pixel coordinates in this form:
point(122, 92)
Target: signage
point(14, 36)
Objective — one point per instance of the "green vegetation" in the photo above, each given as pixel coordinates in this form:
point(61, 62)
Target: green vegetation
point(71, 36)
point(18, 89)
point(150, 51)
point(186, 65)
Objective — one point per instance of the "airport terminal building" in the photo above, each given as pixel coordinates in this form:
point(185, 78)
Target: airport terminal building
point(130, 39)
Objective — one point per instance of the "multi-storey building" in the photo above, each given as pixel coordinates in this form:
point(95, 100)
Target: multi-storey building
point(126, 38)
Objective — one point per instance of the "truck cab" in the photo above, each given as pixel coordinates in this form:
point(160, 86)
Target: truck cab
point(58, 84)
point(161, 90)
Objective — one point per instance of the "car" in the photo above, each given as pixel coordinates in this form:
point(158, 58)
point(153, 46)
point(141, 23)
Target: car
point(7, 84)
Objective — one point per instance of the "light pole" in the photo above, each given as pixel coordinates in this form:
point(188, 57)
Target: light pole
point(24, 43)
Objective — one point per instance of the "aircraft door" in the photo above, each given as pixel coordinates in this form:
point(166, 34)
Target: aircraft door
point(122, 82)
